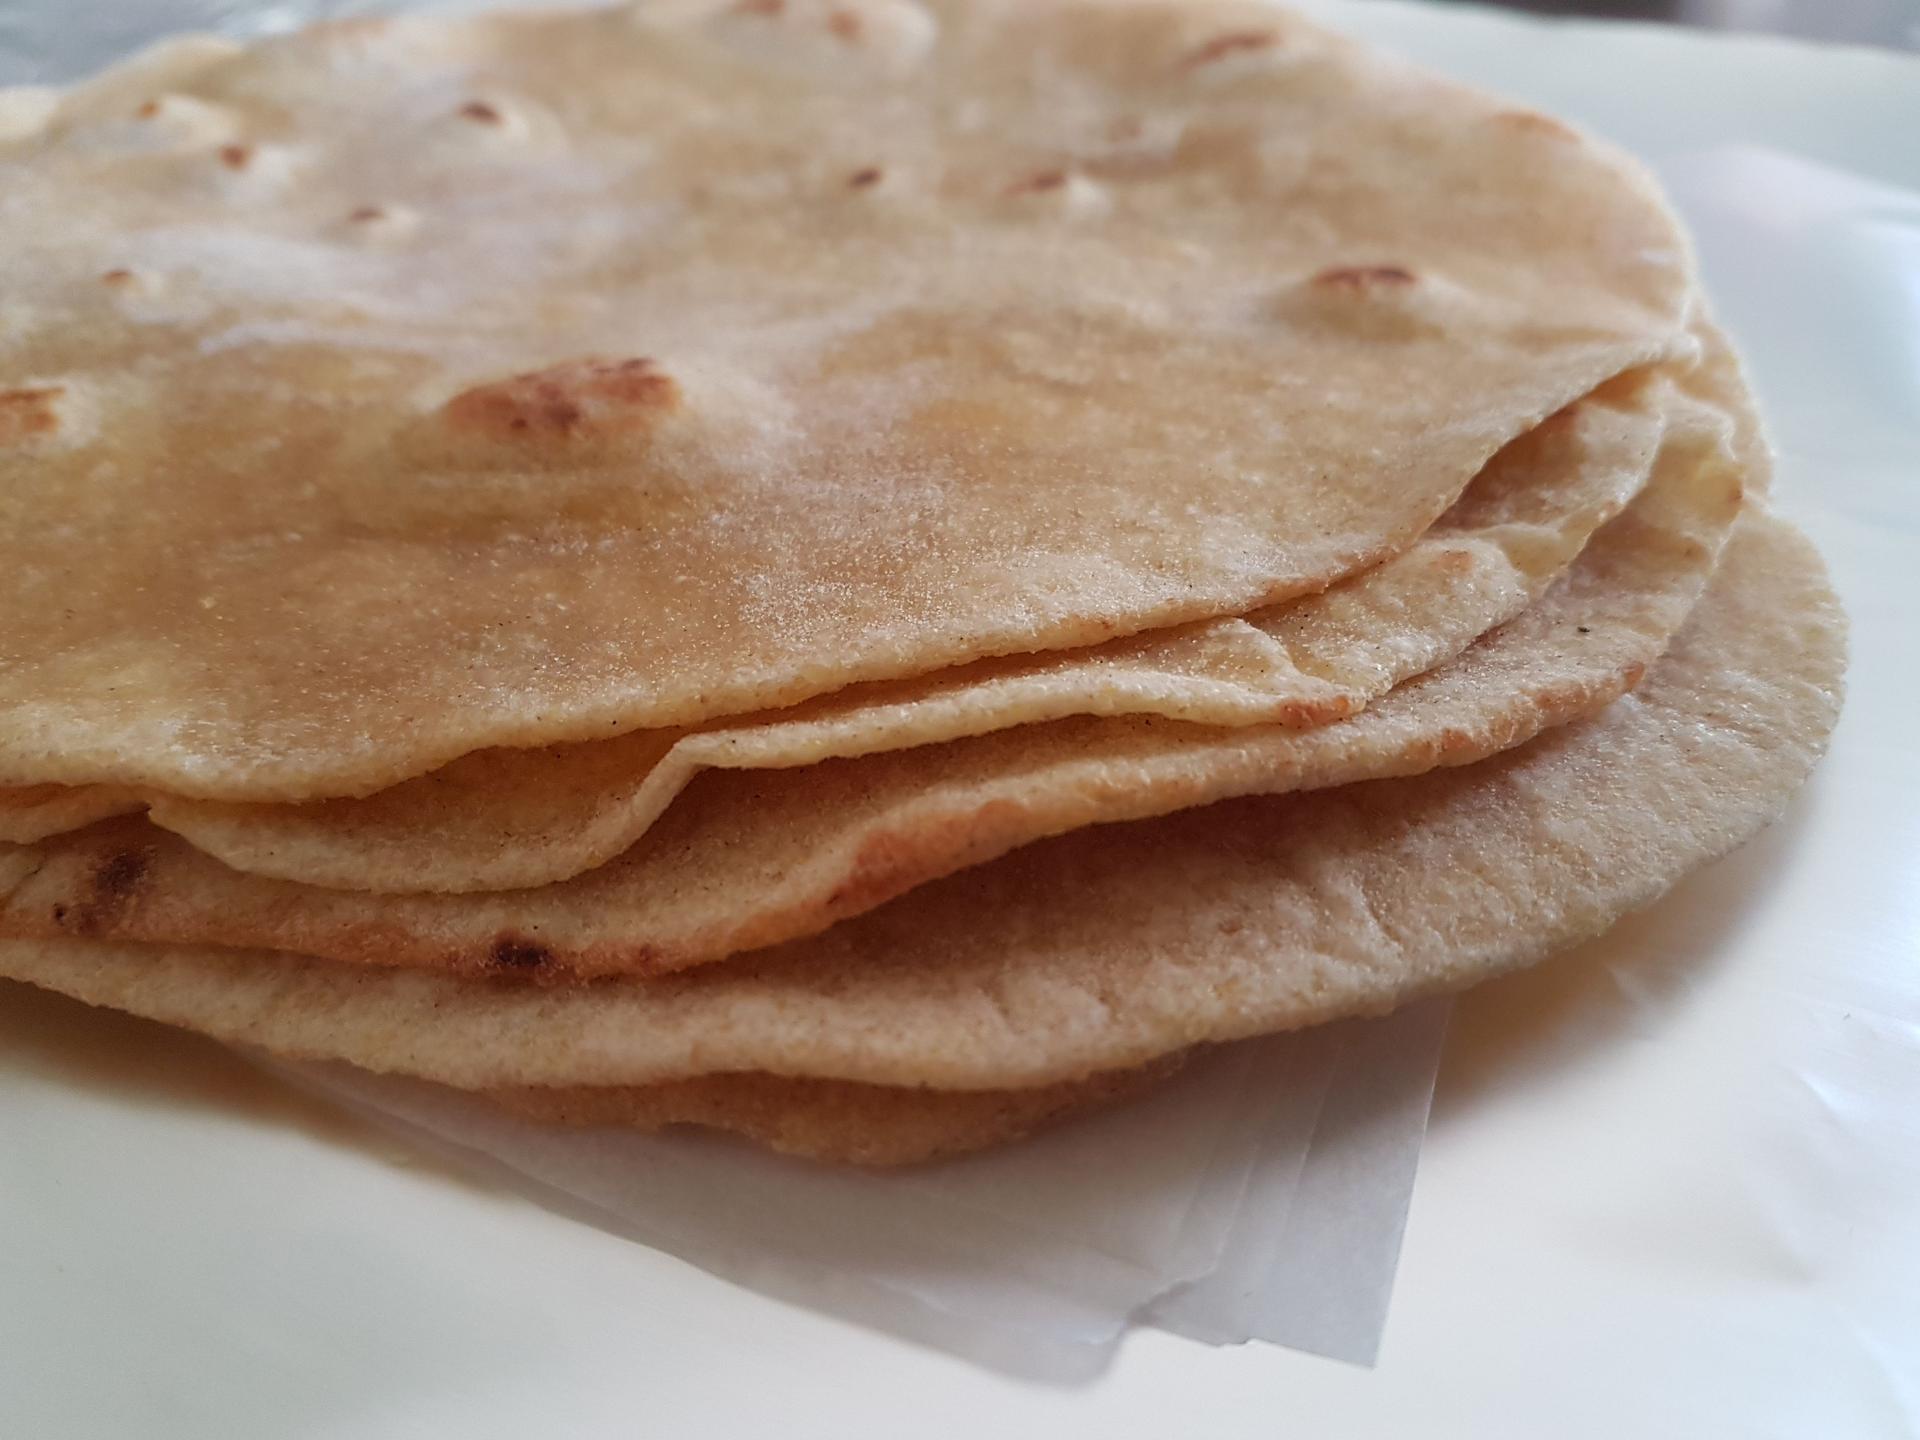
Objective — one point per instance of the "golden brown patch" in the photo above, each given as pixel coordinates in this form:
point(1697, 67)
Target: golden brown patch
point(148, 110)
point(1363, 277)
point(116, 276)
point(890, 863)
point(366, 214)
point(861, 179)
point(29, 411)
point(845, 24)
point(481, 113)
point(576, 398)
point(236, 157)
point(1233, 43)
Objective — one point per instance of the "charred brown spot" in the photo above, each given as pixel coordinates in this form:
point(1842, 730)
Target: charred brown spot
point(1584, 629)
point(1363, 277)
point(236, 157)
point(110, 886)
point(120, 874)
point(1234, 43)
point(481, 113)
point(575, 398)
point(1037, 184)
point(845, 24)
point(366, 214)
point(116, 276)
point(516, 952)
point(30, 411)
point(148, 110)
point(861, 179)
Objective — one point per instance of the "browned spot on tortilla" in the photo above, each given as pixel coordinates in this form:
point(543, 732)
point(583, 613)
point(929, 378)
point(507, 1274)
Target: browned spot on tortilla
point(480, 113)
point(574, 399)
point(1363, 277)
point(366, 214)
point(148, 110)
point(1234, 42)
point(1034, 184)
point(236, 157)
point(116, 877)
point(760, 7)
point(110, 887)
point(860, 179)
point(845, 24)
point(116, 276)
point(516, 952)
point(892, 863)
point(29, 411)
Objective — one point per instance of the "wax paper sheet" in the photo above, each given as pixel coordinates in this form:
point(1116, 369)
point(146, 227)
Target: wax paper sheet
point(1260, 1195)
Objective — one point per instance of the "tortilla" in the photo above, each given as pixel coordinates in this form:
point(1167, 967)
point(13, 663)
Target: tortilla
point(33, 812)
point(397, 389)
point(752, 858)
point(1115, 944)
point(836, 1119)
point(510, 819)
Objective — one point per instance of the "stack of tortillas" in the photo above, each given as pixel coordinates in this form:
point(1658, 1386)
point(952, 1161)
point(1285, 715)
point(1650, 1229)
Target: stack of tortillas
point(866, 572)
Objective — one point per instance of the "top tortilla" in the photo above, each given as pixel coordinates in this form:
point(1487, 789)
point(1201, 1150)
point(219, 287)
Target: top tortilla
point(392, 390)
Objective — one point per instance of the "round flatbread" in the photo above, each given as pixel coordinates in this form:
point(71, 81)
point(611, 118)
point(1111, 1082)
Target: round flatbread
point(395, 389)
point(837, 1120)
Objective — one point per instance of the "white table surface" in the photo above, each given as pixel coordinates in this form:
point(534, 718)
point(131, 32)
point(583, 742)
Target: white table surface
point(1672, 1186)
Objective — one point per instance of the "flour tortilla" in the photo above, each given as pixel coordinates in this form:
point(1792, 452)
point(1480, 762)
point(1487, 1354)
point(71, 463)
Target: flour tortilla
point(753, 858)
point(397, 389)
point(837, 1120)
point(33, 812)
point(1115, 944)
point(510, 819)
